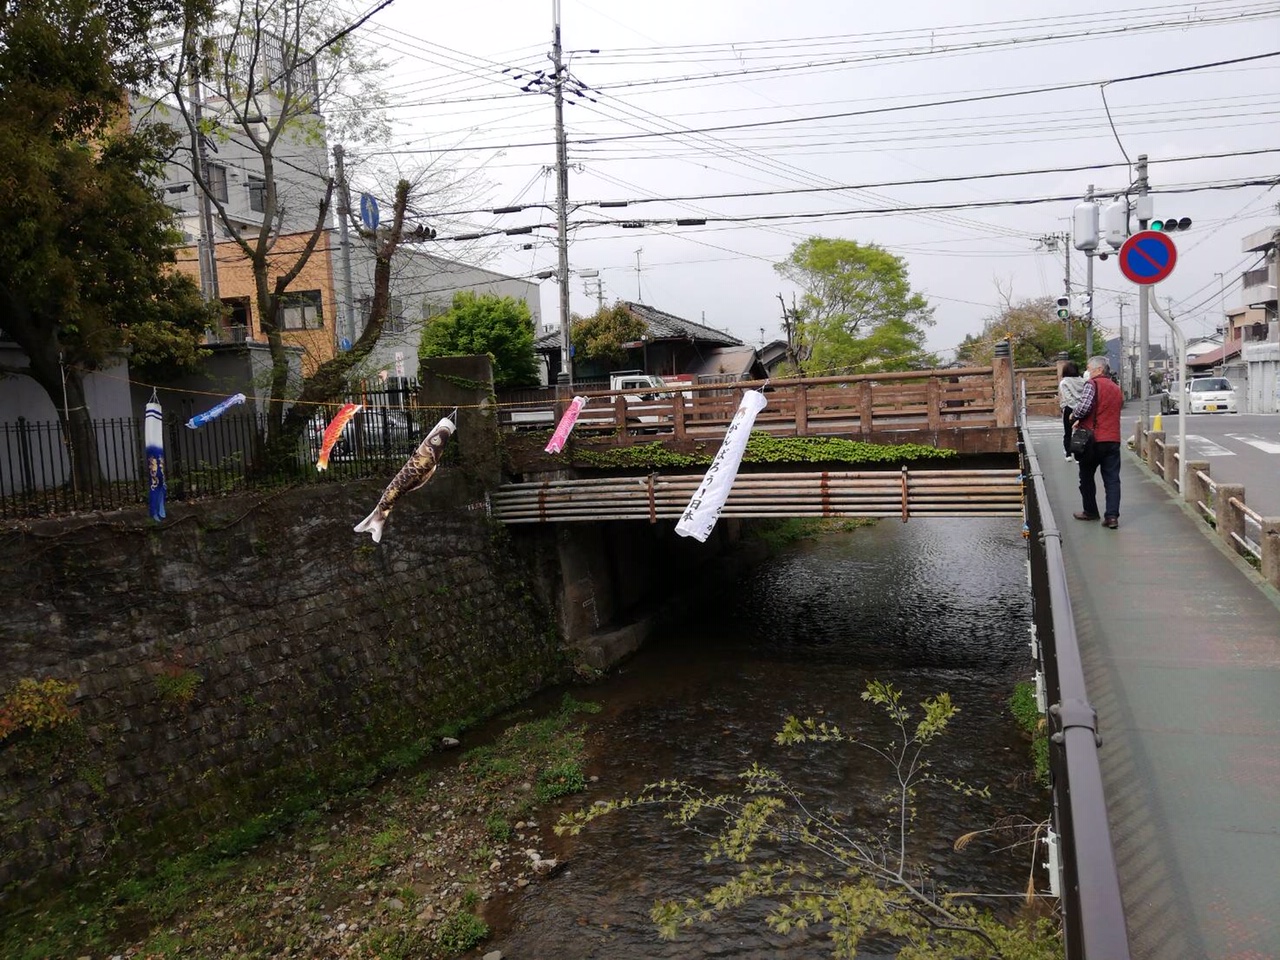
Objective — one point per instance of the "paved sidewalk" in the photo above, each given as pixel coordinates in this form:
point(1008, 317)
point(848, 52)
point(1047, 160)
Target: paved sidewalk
point(1181, 651)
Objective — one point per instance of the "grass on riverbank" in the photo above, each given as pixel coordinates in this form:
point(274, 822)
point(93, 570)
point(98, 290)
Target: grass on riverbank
point(1026, 712)
point(776, 534)
point(397, 871)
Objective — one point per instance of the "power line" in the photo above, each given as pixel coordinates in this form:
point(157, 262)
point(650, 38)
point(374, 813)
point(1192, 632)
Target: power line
point(863, 211)
point(1053, 88)
point(870, 111)
point(922, 181)
point(925, 181)
point(934, 50)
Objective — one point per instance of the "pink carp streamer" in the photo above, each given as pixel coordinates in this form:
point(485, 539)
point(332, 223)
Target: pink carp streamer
point(565, 426)
point(334, 430)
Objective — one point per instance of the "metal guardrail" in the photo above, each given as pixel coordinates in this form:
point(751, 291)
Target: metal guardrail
point(900, 494)
point(1088, 884)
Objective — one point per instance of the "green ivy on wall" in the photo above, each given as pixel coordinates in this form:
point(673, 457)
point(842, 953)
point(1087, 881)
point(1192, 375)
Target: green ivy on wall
point(763, 448)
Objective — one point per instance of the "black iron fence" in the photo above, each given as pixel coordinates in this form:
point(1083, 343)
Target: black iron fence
point(222, 457)
point(1081, 858)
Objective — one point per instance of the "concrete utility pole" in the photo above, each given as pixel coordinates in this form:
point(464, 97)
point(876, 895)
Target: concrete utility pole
point(1066, 276)
point(1144, 308)
point(1088, 292)
point(1126, 377)
point(208, 243)
point(562, 200)
point(348, 324)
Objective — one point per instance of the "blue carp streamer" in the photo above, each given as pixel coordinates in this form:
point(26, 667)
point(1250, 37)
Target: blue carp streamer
point(200, 419)
point(153, 437)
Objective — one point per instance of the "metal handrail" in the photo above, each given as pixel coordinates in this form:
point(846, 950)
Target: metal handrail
point(1092, 909)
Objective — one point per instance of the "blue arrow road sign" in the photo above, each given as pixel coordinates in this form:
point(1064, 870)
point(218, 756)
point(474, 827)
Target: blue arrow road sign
point(1148, 257)
point(369, 211)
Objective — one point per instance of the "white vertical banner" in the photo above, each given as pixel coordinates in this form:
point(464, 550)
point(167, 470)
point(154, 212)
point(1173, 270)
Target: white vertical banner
point(699, 518)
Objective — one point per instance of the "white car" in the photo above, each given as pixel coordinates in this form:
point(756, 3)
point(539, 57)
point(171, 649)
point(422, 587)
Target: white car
point(1202, 395)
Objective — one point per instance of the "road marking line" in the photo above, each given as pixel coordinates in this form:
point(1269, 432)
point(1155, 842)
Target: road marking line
point(1204, 447)
point(1253, 440)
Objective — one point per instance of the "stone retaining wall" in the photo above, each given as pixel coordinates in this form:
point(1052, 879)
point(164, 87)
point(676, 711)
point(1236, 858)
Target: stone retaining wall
point(246, 651)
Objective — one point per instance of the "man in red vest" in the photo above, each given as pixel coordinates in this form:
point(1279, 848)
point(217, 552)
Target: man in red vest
point(1099, 411)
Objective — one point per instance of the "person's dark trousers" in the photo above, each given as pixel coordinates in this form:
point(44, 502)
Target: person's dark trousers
point(1066, 431)
point(1104, 457)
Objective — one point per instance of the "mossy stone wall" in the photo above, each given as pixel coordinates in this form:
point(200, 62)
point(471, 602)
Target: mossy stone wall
point(244, 652)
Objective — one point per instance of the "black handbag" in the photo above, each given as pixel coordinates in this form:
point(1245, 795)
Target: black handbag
point(1081, 437)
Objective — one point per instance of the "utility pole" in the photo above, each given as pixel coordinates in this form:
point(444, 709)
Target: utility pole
point(593, 286)
point(562, 200)
point(1050, 243)
point(1124, 352)
point(1221, 325)
point(1066, 275)
point(348, 325)
point(1088, 292)
point(208, 245)
point(1144, 306)
point(639, 295)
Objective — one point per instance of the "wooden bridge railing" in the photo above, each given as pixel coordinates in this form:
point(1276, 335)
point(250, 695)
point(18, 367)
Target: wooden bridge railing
point(856, 405)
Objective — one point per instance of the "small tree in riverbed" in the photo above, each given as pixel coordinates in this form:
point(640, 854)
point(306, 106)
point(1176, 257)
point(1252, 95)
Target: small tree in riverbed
point(815, 867)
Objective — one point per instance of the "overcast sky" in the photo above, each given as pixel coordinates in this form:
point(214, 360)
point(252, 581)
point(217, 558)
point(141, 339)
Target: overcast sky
point(665, 67)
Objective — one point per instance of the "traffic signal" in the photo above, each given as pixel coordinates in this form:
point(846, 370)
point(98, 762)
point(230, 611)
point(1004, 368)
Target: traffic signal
point(1115, 222)
point(1084, 226)
point(1084, 304)
point(1171, 224)
point(1064, 308)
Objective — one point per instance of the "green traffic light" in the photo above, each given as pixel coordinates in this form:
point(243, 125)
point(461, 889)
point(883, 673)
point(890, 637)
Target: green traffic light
point(1157, 224)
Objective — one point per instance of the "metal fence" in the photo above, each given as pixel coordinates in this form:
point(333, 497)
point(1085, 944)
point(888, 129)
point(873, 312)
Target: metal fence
point(222, 457)
point(1081, 858)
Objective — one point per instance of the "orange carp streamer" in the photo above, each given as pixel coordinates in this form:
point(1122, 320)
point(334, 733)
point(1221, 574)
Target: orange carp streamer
point(334, 431)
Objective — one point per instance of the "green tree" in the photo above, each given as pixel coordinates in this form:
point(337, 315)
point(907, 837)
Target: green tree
point(1033, 328)
point(87, 251)
point(601, 336)
point(268, 82)
point(810, 865)
point(486, 323)
point(857, 311)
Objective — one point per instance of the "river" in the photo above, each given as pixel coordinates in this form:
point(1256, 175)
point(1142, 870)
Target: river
point(930, 606)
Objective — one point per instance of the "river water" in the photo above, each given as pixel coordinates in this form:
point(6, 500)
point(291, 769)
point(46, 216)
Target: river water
point(936, 605)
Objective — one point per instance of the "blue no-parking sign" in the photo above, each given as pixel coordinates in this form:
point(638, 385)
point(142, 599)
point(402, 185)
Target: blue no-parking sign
point(1148, 257)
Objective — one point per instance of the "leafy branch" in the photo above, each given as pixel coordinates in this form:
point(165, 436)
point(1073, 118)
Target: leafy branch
point(816, 866)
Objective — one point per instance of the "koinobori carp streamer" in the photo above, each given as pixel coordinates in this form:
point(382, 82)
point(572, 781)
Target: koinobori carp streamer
point(418, 469)
point(213, 413)
point(565, 426)
point(699, 518)
point(153, 438)
point(334, 430)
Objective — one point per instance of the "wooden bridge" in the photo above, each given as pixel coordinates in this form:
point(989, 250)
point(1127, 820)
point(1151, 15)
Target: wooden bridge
point(969, 410)
point(858, 406)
